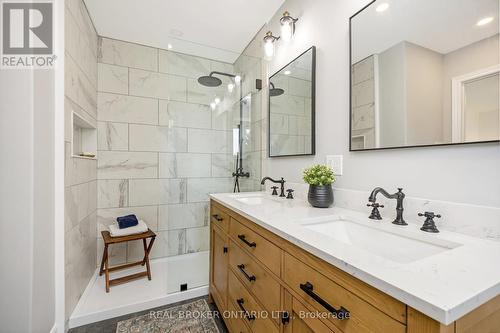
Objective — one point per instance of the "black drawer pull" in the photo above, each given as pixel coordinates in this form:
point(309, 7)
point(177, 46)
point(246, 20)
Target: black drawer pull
point(340, 314)
point(217, 217)
point(250, 278)
point(244, 240)
point(247, 315)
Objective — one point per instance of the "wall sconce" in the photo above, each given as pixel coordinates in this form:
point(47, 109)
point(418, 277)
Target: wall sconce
point(287, 26)
point(269, 40)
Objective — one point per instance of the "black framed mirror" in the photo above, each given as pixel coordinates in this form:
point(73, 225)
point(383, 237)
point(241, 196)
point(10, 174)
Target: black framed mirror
point(291, 129)
point(424, 73)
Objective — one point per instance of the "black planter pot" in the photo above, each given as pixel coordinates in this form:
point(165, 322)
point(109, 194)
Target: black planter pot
point(320, 196)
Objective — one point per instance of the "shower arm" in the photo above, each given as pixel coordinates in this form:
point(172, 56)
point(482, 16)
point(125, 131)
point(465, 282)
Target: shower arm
point(222, 73)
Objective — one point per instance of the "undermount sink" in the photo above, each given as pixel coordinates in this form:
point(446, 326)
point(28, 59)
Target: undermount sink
point(389, 245)
point(253, 199)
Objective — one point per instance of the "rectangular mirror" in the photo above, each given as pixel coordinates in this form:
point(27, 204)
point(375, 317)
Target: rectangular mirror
point(424, 73)
point(291, 107)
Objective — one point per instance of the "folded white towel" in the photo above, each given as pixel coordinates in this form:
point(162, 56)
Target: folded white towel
point(115, 231)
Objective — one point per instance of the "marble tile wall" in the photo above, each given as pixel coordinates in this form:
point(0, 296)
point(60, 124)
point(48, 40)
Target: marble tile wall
point(161, 147)
point(363, 108)
point(81, 174)
point(291, 116)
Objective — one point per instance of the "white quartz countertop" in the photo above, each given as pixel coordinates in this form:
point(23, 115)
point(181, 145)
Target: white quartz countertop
point(444, 286)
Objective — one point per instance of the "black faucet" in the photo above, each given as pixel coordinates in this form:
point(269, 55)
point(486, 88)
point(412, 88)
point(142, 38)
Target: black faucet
point(399, 196)
point(282, 182)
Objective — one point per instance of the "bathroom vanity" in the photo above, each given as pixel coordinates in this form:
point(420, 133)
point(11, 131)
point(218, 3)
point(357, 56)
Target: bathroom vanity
point(284, 266)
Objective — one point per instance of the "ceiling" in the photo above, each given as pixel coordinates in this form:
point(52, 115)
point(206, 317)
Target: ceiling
point(215, 29)
point(440, 25)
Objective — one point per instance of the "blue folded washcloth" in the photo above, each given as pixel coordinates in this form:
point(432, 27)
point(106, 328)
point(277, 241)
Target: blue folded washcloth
point(127, 221)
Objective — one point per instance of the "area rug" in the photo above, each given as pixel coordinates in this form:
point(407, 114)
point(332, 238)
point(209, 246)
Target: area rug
point(194, 317)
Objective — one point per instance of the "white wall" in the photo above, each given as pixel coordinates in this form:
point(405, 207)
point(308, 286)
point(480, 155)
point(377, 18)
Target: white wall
point(424, 95)
point(16, 211)
point(392, 96)
point(27, 286)
point(469, 174)
point(474, 57)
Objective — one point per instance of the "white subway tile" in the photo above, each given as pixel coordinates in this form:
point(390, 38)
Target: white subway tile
point(198, 189)
point(279, 123)
point(157, 85)
point(112, 79)
point(112, 136)
point(112, 193)
point(197, 239)
point(193, 165)
point(183, 64)
point(128, 54)
point(209, 141)
point(156, 191)
point(168, 165)
point(223, 165)
point(180, 114)
point(157, 138)
point(120, 165)
point(182, 216)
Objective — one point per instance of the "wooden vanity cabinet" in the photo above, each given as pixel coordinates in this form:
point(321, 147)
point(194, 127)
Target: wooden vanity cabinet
point(254, 270)
point(219, 260)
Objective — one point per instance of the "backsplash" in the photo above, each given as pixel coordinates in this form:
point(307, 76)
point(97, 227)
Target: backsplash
point(471, 220)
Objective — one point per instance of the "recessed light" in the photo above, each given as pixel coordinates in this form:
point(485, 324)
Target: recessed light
point(382, 7)
point(484, 21)
point(288, 72)
point(169, 46)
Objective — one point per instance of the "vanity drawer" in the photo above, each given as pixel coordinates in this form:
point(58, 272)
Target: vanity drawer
point(265, 251)
point(235, 320)
point(363, 316)
point(255, 278)
point(218, 216)
point(238, 293)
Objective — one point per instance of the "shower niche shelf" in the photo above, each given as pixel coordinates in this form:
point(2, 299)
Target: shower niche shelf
point(83, 138)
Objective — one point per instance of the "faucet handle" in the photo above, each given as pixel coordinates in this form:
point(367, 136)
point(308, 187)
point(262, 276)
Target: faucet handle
point(275, 188)
point(375, 205)
point(429, 224)
point(290, 193)
point(375, 215)
point(430, 215)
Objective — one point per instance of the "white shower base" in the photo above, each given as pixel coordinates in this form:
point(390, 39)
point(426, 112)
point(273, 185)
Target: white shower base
point(167, 276)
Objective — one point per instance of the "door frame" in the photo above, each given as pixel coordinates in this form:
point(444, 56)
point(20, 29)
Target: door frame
point(458, 99)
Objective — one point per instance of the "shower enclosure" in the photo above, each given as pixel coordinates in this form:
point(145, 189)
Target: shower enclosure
point(172, 128)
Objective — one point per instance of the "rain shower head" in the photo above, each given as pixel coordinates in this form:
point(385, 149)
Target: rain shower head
point(209, 81)
point(273, 92)
point(212, 81)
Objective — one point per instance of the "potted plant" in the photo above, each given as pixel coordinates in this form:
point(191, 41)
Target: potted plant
point(320, 179)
